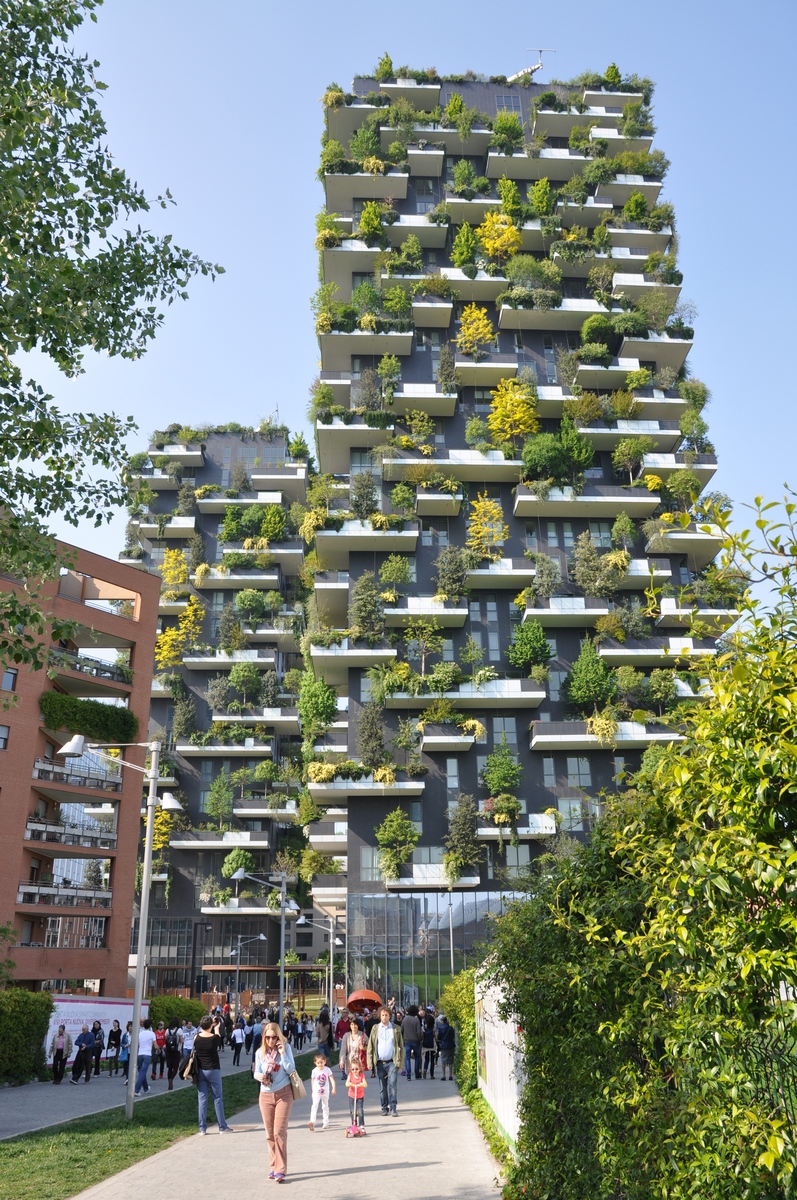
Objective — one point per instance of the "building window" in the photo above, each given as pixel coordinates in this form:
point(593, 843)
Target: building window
point(550, 358)
point(601, 534)
point(357, 363)
point(365, 689)
point(568, 540)
point(548, 772)
point(552, 645)
point(303, 939)
point(4, 732)
point(448, 649)
point(531, 536)
point(507, 104)
point(428, 855)
point(514, 612)
point(482, 400)
point(452, 774)
point(413, 567)
point(571, 809)
point(369, 864)
point(9, 683)
point(424, 187)
point(434, 531)
point(553, 536)
point(557, 678)
point(579, 774)
point(517, 857)
point(619, 770)
point(505, 727)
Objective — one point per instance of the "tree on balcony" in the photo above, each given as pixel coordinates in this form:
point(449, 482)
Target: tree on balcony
point(363, 495)
point(231, 635)
point(590, 684)
point(529, 645)
point(366, 613)
point(513, 412)
point(450, 578)
point(475, 332)
point(246, 679)
point(318, 705)
point(396, 838)
point(463, 852)
point(487, 529)
point(423, 639)
point(237, 860)
point(629, 453)
point(597, 574)
point(219, 800)
point(371, 735)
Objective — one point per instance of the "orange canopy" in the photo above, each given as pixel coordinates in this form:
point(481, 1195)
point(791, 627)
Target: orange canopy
point(361, 999)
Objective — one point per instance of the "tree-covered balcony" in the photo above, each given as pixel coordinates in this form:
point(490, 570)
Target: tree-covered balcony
point(596, 500)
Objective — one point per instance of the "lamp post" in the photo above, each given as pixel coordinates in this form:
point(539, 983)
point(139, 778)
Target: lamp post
point(285, 903)
point(74, 748)
point(242, 941)
point(208, 929)
point(333, 942)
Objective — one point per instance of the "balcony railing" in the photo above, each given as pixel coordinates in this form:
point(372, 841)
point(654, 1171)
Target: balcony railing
point(63, 895)
point(89, 666)
point(89, 837)
point(49, 772)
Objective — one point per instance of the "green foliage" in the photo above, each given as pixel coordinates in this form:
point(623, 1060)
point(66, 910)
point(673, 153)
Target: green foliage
point(251, 604)
point(363, 495)
point(541, 198)
point(366, 612)
point(423, 639)
point(590, 684)
point(99, 722)
point(165, 1008)
point(502, 772)
point(272, 526)
point(465, 246)
point(371, 735)
point(318, 705)
point(529, 645)
point(230, 633)
point(624, 531)
point(383, 71)
point(612, 76)
point(237, 859)
point(511, 205)
point(597, 328)
point(184, 719)
point(396, 838)
point(451, 566)
point(597, 574)
point(629, 453)
point(507, 135)
point(635, 208)
point(464, 852)
point(246, 679)
point(561, 457)
point(219, 801)
point(24, 1018)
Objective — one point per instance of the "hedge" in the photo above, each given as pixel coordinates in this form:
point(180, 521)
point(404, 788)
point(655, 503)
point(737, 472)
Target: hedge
point(163, 1008)
point(24, 1020)
point(89, 717)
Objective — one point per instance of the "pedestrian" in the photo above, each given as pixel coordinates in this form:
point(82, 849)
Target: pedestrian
point(174, 1050)
point(207, 1044)
point(356, 1083)
point(411, 1032)
point(60, 1049)
point(159, 1050)
point(98, 1034)
point(273, 1065)
point(249, 1033)
point(237, 1040)
point(323, 1033)
point(354, 1045)
point(342, 1027)
point(446, 1040)
point(85, 1045)
point(114, 1046)
point(189, 1033)
point(146, 1046)
point(428, 1047)
point(322, 1081)
point(124, 1052)
point(386, 1054)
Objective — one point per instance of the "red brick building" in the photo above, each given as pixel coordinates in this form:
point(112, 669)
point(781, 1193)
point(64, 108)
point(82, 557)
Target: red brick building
point(70, 828)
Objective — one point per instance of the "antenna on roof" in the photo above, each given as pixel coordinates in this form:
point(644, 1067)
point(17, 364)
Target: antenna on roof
point(530, 70)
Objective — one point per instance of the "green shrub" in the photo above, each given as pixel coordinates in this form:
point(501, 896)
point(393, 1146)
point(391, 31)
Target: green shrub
point(89, 717)
point(24, 1019)
point(458, 1002)
point(164, 1008)
point(597, 328)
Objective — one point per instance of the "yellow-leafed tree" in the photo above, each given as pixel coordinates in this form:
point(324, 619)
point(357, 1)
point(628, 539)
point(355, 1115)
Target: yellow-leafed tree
point(486, 527)
point(498, 236)
point(513, 414)
point(169, 648)
point(175, 568)
point(190, 623)
point(162, 832)
point(475, 330)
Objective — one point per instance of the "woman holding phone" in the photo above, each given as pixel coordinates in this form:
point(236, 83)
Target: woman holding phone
point(273, 1065)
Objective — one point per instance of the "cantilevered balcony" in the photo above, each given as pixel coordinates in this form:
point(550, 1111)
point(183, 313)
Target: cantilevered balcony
point(425, 160)
point(561, 124)
point(278, 631)
point(644, 572)
point(214, 840)
point(429, 502)
point(567, 611)
point(282, 720)
point(445, 739)
point(344, 120)
point(81, 675)
point(290, 479)
point(332, 596)
point(335, 545)
point(329, 837)
point(612, 377)
point(589, 214)
point(661, 348)
point(493, 694)
point(70, 837)
point(333, 663)
point(487, 371)
point(288, 555)
point(446, 613)
point(572, 735)
point(341, 190)
point(424, 397)
point(241, 906)
point(571, 314)
point(604, 435)
point(171, 608)
point(483, 288)
point(472, 465)
point(428, 875)
point(338, 438)
point(620, 189)
point(704, 466)
point(471, 212)
point(475, 145)
point(159, 481)
point(273, 807)
point(218, 660)
point(340, 261)
point(513, 573)
point(339, 789)
point(221, 580)
point(631, 236)
point(250, 747)
point(423, 96)
point(532, 827)
point(619, 142)
point(330, 891)
point(62, 896)
point(68, 784)
point(337, 347)
point(187, 456)
point(430, 235)
point(220, 503)
point(596, 500)
point(431, 313)
point(175, 527)
point(612, 102)
point(675, 614)
point(657, 651)
point(549, 163)
point(633, 286)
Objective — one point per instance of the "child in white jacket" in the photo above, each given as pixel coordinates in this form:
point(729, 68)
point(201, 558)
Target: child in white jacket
point(323, 1082)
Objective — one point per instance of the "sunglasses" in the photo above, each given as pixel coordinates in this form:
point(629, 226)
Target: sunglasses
point(272, 1037)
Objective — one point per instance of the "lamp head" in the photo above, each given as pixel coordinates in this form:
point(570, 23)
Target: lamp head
point(169, 803)
point(74, 747)
point(302, 920)
point(338, 941)
point(263, 938)
point(239, 874)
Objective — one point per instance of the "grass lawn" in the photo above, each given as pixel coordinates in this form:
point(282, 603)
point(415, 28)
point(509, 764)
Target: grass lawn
point(60, 1162)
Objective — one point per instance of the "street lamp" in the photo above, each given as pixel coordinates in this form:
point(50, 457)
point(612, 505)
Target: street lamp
point(74, 748)
point(242, 941)
point(208, 929)
point(333, 942)
point(285, 903)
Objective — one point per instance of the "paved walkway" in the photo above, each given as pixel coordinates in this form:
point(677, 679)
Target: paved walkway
point(433, 1148)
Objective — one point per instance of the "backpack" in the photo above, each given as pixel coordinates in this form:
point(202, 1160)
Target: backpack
point(172, 1040)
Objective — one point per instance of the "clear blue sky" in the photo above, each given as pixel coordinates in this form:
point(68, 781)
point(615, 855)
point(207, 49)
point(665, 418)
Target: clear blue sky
point(220, 103)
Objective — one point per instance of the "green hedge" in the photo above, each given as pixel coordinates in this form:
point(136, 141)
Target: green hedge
point(458, 1002)
point(89, 717)
point(24, 1020)
point(163, 1008)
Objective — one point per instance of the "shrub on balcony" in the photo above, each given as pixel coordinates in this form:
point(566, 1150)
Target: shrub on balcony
point(475, 332)
point(318, 704)
point(366, 612)
point(529, 645)
point(487, 530)
point(451, 566)
point(590, 684)
point(397, 838)
point(507, 135)
point(465, 246)
point(443, 677)
point(499, 237)
point(363, 495)
point(100, 722)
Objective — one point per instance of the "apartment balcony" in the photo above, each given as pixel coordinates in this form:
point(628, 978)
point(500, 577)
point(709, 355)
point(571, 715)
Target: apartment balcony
point(341, 190)
point(341, 261)
point(613, 377)
point(69, 837)
point(531, 236)
point(422, 96)
point(590, 213)
point(238, 906)
point(446, 613)
point(424, 397)
point(644, 572)
point(605, 435)
point(631, 236)
point(619, 142)
point(674, 614)
point(634, 286)
point(660, 348)
point(337, 347)
point(68, 785)
point(596, 500)
point(445, 739)
point(220, 580)
point(250, 747)
point(476, 144)
point(704, 466)
point(333, 663)
point(561, 124)
point(158, 480)
point(175, 527)
point(429, 235)
point(278, 631)
point(428, 875)
point(335, 545)
point(62, 896)
point(487, 371)
point(282, 810)
point(220, 503)
point(620, 189)
point(218, 660)
point(337, 439)
point(471, 466)
point(534, 827)
point(171, 608)
point(654, 403)
point(471, 212)
point(699, 543)
point(656, 651)
point(80, 675)
point(562, 612)
point(284, 721)
point(336, 789)
point(346, 119)
point(432, 503)
point(330, 891)
point(494, 694)
point(512, 573)
point(615, 101)
point(290, 479)
point(214, 840)
point(550, 163)
point(482, 289)
point(187, 456)
point(425, 160)
point(571, 314)
point(429, 313)
point(332, 596)
point(572, 735)
point(287, 555)
point(328, 841)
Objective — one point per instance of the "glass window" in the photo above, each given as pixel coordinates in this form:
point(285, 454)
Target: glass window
point(9, 683)
point(550, 358)
point(568, 540)
point(557, 678)
point(531, 536)
point(572, 812)
point(514, 612)
point(424, 187)
point(579, 774)
point(548, 772)
point(619, 769)
point(552, 645)
point(493, 646)
point(4, 732)
point(553, 536)
point(601, 534)
point(369, 864)
point(508, 103)
point(506, 727)
point(439, 434)
point(517, 857)
point(448, 649)
point(365, 689)
point(452, 774)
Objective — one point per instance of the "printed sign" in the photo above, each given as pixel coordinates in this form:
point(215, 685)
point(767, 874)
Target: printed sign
point(76, 1011)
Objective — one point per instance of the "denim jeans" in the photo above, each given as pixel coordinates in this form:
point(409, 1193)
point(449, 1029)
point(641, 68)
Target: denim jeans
point(142, 1066)
point(387, 1074)
point(356, 1111)
point(212, 1080)
point(411, 1048)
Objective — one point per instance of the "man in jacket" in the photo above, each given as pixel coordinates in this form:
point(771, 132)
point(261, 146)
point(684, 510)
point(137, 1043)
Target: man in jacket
point(60, 1051)
point(386, 1054)
point(84, 1042)
point(411, 1032)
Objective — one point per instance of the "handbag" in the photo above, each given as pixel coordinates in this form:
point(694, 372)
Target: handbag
point(297, 1086)
point(191, 1068)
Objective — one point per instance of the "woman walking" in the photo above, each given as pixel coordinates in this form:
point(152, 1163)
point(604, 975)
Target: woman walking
point(114, 1046)
point(273, 1065)
point(99, 1045)
point(353, 1046)
point(323, 1033)
point(429, 1048)
point(236, 1041)
point(60, 1049)
point(124, 1052)
point(207, 1044)
point(174, 1050)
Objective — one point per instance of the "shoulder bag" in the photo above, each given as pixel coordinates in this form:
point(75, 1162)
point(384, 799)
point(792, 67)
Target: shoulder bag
point(191, 1068)
point(297, 1086)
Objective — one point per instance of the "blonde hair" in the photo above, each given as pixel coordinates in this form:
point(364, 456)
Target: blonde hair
point(272, 1030)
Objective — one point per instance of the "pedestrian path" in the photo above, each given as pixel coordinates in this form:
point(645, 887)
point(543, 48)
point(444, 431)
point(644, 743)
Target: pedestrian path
point(433, 1148)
